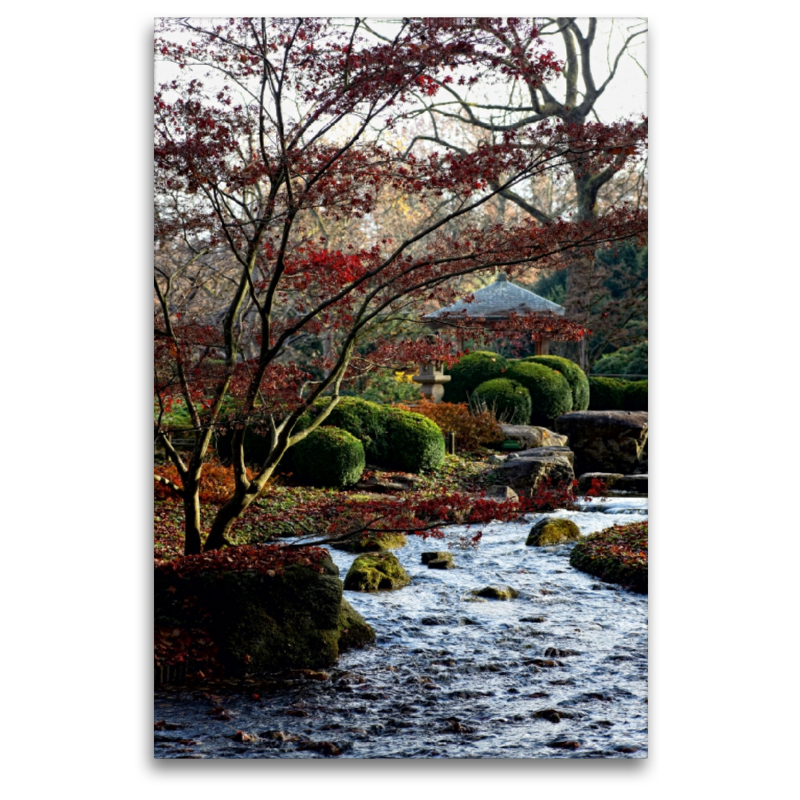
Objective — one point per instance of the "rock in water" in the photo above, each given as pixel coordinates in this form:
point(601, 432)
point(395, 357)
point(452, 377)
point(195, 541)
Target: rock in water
point(375, 571)
point(553, 530)
point(531, 466)
point(496, 592)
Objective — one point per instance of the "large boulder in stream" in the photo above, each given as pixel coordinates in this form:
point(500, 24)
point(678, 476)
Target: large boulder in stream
point(606, 441)
point(262, 608)
point(376, 571)
point(528, 467)
point(553, 530)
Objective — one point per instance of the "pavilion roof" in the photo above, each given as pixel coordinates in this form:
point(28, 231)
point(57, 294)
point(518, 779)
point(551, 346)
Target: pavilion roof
point(500, 299)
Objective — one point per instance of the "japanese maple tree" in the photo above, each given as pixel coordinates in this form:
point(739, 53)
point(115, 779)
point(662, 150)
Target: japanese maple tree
point(270, 126)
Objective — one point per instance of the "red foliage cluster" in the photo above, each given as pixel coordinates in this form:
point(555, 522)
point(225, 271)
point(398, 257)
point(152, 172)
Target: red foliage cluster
point(174, 645)
point(267, 559)
point(472, 430)
point(218, 482)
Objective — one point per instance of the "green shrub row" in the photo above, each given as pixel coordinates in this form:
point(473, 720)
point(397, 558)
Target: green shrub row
point(615, 394)
point(508, 400)
point(555, 385)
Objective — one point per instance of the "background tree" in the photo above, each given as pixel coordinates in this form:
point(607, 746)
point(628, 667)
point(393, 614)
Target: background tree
point(467, 116)
point(273, 129)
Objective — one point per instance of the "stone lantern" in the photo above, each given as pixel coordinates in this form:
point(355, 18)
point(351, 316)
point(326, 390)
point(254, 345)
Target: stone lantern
point(431, 378)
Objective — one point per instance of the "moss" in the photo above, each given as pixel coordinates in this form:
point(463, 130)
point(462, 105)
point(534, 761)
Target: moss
point(508, 400)
point(373, 543)
point(553, 530)
point(496, 592)
point(576, 377)
point(376, 571)
point(352, 629)
point(551, 395)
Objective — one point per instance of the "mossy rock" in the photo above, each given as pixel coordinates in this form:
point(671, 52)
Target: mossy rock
point(439, 559)
point(617, 554)
point(575, 376)
point(260, 623)
point(376, 571)
point(496, 592)
point(553, 530)
point(373, 543)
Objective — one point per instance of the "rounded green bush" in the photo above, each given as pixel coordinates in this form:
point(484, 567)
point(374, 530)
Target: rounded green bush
point(550, 393)
point(328, 456)
point(414, 443)
point(576, 378)
point(606, 394)
point(471, 371)
point(634, 397)
point(508, 400)
point(365, 420)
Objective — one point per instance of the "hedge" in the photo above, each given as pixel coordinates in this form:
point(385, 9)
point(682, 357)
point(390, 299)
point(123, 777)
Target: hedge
point(414, 443)
point(550, 393)
point(576, 377)
point(471, 371)
point(614, 394)
point(328, 456)
point(508, 400)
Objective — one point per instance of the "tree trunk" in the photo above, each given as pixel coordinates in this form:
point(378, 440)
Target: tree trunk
point(191, 510)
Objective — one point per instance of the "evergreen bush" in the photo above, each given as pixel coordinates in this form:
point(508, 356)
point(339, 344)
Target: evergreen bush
point(606, 394)
point(414, 443)
point(508, 400)
point(576, 378)
point(634, 397)
point(328, 456)
point(551, 395)
point(471, 371)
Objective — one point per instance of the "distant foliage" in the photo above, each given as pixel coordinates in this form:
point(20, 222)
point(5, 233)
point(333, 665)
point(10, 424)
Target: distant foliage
point(472, 431)
point(575, 376)
point(625, 361)
point(551, 395)
point(506, 399)
point(472, 370)
point(329, 456)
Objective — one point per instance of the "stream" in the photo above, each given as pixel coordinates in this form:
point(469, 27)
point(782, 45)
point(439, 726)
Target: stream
point(559, 672)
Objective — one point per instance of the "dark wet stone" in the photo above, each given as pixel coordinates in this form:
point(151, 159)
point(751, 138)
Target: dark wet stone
point(537, 695)
point(467, 621)
point(531, 619)
point(433, 621)
point(434, 555)
point(554, 652)
point(565, 744)
point(442, 563)
point(627, 748)
point(542, 662)
point(552, 715)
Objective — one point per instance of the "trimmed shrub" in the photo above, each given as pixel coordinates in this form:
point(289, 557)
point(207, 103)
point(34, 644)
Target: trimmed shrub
point(471, 371)
point(576, 377)
point(329, 456)
point(506, 399)
point(550, 393)
point(414, 443)
point(606, 394)
point(634, 397)
point(365, 420)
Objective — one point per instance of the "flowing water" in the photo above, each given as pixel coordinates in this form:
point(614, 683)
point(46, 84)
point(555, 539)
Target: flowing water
point(451, 675)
